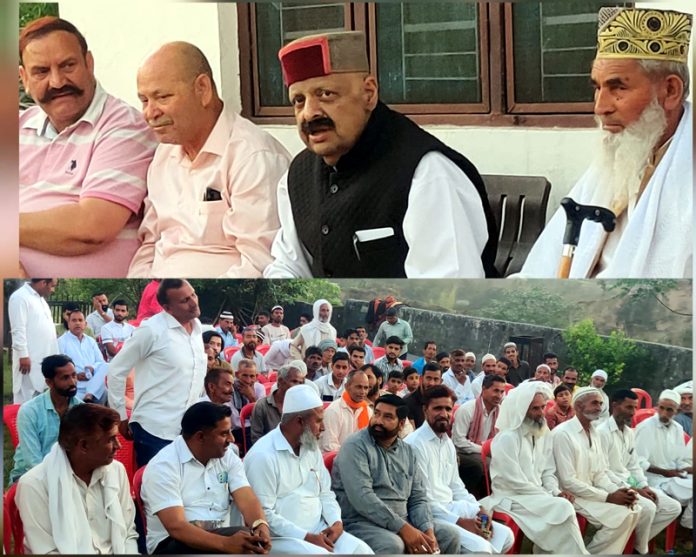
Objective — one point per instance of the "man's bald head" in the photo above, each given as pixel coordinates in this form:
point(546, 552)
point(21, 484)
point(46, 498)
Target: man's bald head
point(184, 60)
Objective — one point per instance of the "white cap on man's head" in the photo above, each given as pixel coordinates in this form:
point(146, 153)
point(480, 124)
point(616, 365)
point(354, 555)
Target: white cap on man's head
point(487, 357)
point(583, 391)
point(301, 398)
point(669, 394)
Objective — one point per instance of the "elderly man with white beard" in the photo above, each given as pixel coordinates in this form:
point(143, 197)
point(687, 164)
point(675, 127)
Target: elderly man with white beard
point(644, 170)
point(315, 331)
point(582, 470)
point(522, 474)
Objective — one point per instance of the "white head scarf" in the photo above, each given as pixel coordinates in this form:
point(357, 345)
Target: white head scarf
point(516, 403)
point(685, 388)
point(315, 331)
point(600, 373)
point(323, 327)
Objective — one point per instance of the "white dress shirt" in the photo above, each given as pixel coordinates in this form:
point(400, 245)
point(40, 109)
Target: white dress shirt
point(328, 389)
point(170, 365)
point(620, 451)
point(462, 423)
point(174, 478)
point(96, 321)
point(340, 421)
point(272, 334)
point(33, 335)
point(461, 390)
point(85, 352)
point(114, 332)
point(662, 446)
point(278, 355)
point(440, 192)
point(295, 491)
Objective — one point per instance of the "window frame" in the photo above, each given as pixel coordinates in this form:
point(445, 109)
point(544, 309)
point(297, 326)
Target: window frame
point(497, 109)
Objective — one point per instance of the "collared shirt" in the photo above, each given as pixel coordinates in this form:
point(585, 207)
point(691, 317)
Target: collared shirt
point(327, 390)
point(383, 364)
point(660, 445)
point(265, 417)
point(83, 351)
point(38, 424)
point(228, 338)
point(462, 423)
point(174, 478)
point(113, 332)
point(33, 502)
point(382, 486)
point(258, 360)
point(104, 155)
point(182, 233)
point(272, 334)
point(278, 355)
point(170, 365)
point(620, 451)
point(399, 329)
point(340, 421)
point(369, 354)
point(580, 464)
point(294, 491)
point(96, 321)
point(461, 390)
point(437, 459)
point(33, 334)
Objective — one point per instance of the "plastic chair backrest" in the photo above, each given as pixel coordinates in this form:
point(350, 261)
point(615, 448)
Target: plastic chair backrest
point(378, 351)
point(485, 453)
point(508, 387)
point(7, 530)
point(642, 414)
point(9, 418)
point(243, 416)
point(126, 456)
point(406, 363)
point(273, 376)
point(263, 348)
point(229, 352)
point(137, 486)
point(329, 460)
point(15, 520)
point(268, 386)
point(644, 398)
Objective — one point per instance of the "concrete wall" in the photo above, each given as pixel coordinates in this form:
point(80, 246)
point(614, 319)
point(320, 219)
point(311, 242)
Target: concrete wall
point(120, 35)
point(667, 365)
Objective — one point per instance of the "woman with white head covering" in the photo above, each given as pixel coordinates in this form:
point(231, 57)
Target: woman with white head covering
point(315, 331)
point(522, 473)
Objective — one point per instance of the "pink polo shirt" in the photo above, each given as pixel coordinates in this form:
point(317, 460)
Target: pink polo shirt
point(184, 236)
point(104, 155)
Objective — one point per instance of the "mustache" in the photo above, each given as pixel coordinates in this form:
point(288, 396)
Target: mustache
point(316, 124)
point(163, 121)
point(52, 93)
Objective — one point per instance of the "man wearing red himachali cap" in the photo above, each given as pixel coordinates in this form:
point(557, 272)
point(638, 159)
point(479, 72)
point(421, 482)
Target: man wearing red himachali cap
point(361, 200)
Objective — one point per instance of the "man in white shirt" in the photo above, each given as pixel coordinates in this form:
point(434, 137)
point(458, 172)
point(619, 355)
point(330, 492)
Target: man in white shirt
point(248, 350)
point(275, 330)
point(347, 414)
point(78, 500)
point(523, 480)
point(456, 377)
point(318, 329)
point(449, 499)
point(33, 337)
point(668, 465)
point(618, 441)
point(170, 364)
point(332, 384)
point(474, 423)
point(190, 487)
point(278, 355)
point(287, 473)
point(118, 330)
point(489, 366)
point(101, 315)
point(581, 469)
point(88, 359)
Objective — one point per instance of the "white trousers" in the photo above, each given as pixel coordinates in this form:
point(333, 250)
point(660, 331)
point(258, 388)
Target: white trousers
point(682, 489)
point(654, 518)
point(346, 544)
point(501, 540)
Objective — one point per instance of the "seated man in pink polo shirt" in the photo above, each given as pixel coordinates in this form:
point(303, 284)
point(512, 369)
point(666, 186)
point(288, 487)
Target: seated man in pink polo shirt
point(211, 207)
point(83, 159)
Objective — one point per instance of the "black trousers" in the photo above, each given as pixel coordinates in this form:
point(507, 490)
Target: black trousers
point(471, 473)
point(170, 546)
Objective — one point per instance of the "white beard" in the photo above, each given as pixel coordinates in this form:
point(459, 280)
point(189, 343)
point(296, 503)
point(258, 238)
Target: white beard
point(624, 156)
point(538, 429)
point(308, 440)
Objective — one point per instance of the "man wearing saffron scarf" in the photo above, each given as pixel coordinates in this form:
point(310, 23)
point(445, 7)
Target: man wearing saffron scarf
point(347, 414)
point(315, 331)
point(474, 423)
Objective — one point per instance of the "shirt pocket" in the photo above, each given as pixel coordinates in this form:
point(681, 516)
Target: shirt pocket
point(210, 216)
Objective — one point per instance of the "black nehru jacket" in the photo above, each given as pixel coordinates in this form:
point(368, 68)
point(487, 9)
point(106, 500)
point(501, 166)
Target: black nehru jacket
point(369, 189)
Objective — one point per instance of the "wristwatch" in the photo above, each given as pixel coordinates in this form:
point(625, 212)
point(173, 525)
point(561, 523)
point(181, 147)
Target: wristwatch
point(258, 522)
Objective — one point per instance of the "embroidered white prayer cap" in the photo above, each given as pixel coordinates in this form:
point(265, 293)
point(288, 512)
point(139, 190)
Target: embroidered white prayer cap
point(669, 394)
point(470, 355)
point(487, 357)
point(582, 391)
point(301, 398)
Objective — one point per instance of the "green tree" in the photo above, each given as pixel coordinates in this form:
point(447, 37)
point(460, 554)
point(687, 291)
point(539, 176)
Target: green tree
point(29, 11)
point(529, 305)
point(588, 351)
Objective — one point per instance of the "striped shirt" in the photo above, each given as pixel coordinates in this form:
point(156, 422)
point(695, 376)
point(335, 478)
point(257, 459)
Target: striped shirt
point(104, 155)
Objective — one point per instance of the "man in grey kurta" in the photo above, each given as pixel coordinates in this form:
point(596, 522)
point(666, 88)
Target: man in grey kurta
point(380, 488)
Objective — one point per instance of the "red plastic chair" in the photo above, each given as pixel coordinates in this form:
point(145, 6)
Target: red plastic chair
point(261, 378)
point(268, 387)
point(644, 399)
point(642, 414)
point(238, 336)
point(508, 387)
point(329, 460)
point(137, 486)
point(368, 342)
point(229, 352)
point(15, 521)
point(406, 363)
point(502, 517)
point(454, 411)
point(273, 376)
point(9, 418)
point(686, 438)
point(7, 530)
point(126, 456)
point(378, 351)
point(243, 416)
point(550, 404)
point(263, 348)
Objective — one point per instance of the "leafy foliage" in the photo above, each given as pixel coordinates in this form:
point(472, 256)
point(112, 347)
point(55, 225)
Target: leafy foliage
point(530, 305)
point(29, 11)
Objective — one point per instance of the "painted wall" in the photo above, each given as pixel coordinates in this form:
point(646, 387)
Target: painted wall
point(121, 34)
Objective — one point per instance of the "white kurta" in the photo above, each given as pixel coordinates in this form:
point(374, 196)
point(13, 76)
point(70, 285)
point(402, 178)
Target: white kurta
point(440, 193)
point(449, 498)
point(295, 492)
point(622, 461)
point(462, 390)
point(581, 470)
point(524, 486)
point(462, 423)
point(33, 336)
point(340, 421)
point(657, 240)
point(85, 353)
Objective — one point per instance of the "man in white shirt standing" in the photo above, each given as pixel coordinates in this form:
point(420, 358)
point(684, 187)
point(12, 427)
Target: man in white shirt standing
point(101, 315)
point(275, 330)
point(581, 470)
point(287, 473)
point(456, 377)
point(170, 364)
point(116, 331)
point(33, 337)
point(661, 447)
point(449, 499)
point(347, 414)
point(618, 441)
